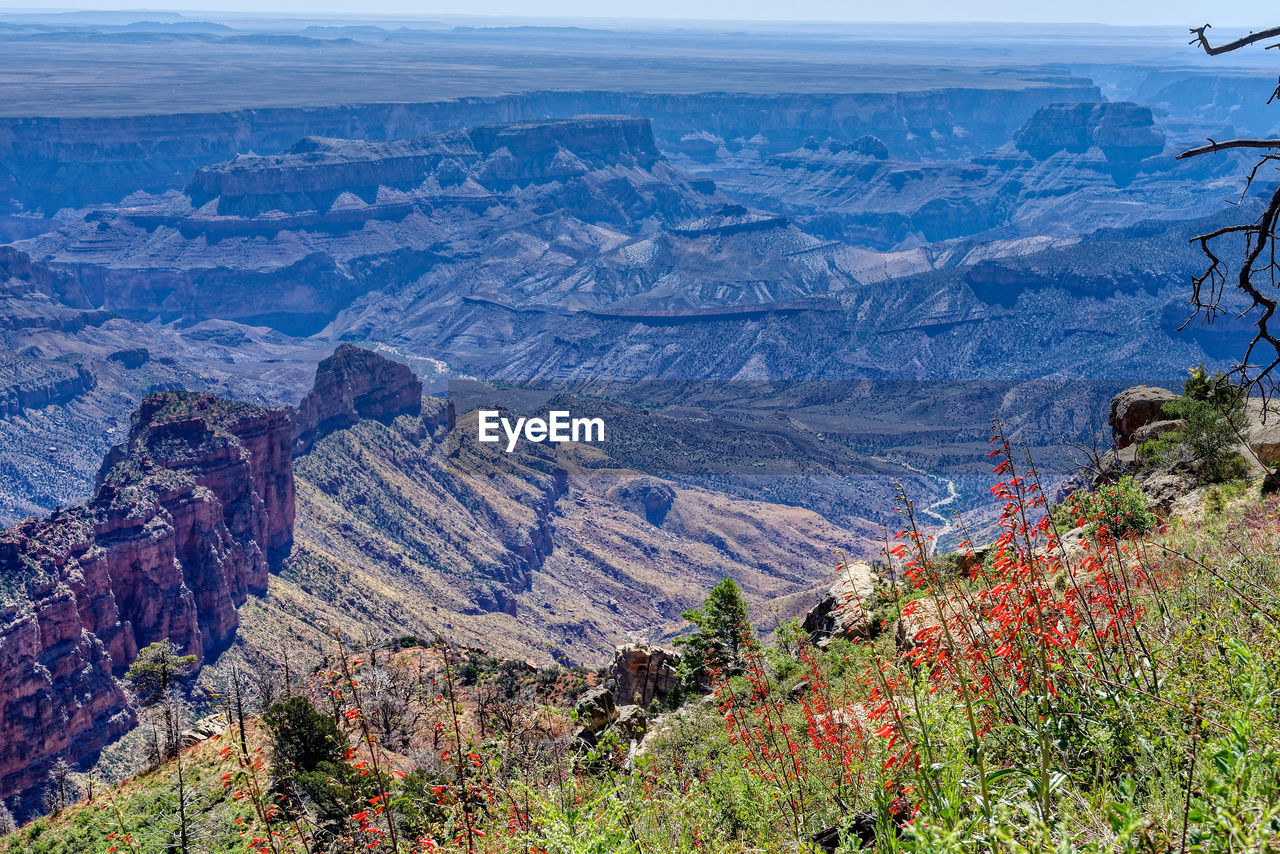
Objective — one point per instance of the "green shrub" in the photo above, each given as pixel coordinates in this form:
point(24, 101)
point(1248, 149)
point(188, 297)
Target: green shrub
point(1117, 510)
point(308, 768)
point(1213, 412)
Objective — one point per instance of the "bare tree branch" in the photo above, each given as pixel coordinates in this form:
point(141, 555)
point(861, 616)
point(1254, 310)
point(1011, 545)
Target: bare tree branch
point(1259, 267)
point(1203, 40)
point(1230, 143)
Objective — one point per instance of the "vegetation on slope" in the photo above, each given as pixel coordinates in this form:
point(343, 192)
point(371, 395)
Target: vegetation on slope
point(1114, 695)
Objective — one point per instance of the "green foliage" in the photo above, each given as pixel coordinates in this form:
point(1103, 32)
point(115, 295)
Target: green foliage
point(302, 738)
point(720, 629)
point(158, 668)
point(307, 747)
point(1116, 510)
point(1212, 410)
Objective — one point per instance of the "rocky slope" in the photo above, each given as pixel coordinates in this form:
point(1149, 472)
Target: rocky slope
point(411, 527)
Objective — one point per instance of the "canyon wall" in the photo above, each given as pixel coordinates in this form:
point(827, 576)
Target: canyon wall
point(189, 516)
point(52, 163)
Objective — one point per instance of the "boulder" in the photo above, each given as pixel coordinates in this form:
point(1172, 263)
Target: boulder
point(632, 723)
point(203, 730)
point(643, 674)
point(842, 612)
point(1164, 488)
point(1263, 432)
point(1135, 408)
point(1156, 428)
point(863, 827)
point(596, 709)
point(908, 634)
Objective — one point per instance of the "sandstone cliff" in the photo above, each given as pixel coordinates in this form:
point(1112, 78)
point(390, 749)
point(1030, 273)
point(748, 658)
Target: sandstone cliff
point(352, 384)
point(188, 517)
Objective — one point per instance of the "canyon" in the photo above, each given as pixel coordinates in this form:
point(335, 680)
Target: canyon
point(189, 517)
point(787, 270)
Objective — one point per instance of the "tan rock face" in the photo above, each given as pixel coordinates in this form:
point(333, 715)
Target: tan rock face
point(1135, 408)
point(189, 514)
point(643, 674)
point(1263, 431)
point(843, 611)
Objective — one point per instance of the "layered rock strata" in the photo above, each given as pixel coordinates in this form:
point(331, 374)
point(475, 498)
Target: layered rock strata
point(188, 517)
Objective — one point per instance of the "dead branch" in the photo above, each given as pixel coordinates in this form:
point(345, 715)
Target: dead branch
point(1259, 265)
point(1253, 38)
point(1230, 143)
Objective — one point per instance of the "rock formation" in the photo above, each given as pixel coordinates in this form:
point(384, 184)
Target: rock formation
point(1135, 408)
point(595, 710)
point(352, 384)
point(1125, 133)
point(56, 162)
point(36, 383)
point(644, 496)
point(1137, 414)
point(189, 515)
point(843, 611)
point(643, 674)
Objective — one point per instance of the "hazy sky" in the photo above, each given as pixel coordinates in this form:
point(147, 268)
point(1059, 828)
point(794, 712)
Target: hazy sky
point(1223, 13)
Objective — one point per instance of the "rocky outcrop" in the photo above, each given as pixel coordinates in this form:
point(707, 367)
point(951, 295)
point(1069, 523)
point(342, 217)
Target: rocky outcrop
point(352, 384)
point(843, 612)
point(20, 275)
point(644, 496)
point(1136, 408)
point(642, 674)
point(315, 172)
point(1126, 133)
point(595, 710)
point(1137, 415)
point(188, 517)
point(1263, 432)
point(37, 383)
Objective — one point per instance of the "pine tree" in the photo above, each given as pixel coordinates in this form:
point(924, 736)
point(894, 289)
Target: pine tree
point(155, 677)
point(722, 629)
